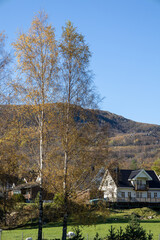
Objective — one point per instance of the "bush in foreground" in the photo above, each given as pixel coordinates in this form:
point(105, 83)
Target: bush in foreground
point(133, 231)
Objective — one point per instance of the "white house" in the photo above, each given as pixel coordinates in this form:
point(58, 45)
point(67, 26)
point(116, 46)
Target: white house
point(121, 185)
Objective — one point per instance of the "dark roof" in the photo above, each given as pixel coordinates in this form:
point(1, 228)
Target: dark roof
point(98, 178)
point(124, 175)
point(134, 173)
point(155, 183)
point(26, 185)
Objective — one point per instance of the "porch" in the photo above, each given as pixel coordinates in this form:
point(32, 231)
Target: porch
point(134, 199)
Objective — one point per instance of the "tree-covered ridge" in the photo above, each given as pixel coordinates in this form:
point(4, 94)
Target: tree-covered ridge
point(129, 142)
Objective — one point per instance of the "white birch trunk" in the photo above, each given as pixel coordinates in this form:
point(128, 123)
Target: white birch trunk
point(41, 120)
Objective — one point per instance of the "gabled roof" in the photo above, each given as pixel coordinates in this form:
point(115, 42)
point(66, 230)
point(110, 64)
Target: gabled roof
point(134, 173)
point(137, 173)
point(124, 175)
point(155, 183)
point(26, 186)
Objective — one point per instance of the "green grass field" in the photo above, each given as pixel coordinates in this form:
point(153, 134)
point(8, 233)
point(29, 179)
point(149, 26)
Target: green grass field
point(149, 220)
point(88, 232)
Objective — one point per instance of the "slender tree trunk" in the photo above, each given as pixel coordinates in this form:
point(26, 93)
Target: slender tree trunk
point(40, 214)
point(41, 166)
point(4, 206)
point(65, 216)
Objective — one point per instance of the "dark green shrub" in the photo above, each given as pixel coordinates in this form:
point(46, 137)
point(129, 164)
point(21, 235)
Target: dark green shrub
point(113, 235)
point(18, 198)
point(78, 235)
point(97, 237)
point(133, 231)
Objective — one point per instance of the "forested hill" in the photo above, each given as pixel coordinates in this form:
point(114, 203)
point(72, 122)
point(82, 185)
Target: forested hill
point(133, 144)
point(120, 125)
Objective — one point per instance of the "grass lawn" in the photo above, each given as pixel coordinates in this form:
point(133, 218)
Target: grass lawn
point(150, 221)
point(88, 232)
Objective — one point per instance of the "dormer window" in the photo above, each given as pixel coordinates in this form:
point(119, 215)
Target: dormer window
point(139, 177)
point(139, 182)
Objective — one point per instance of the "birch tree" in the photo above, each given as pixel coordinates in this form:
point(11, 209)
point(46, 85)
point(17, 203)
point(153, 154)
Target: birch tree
point(37, 56)
point(78, 92)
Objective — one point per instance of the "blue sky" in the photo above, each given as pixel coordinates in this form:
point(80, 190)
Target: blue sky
point(124, 38)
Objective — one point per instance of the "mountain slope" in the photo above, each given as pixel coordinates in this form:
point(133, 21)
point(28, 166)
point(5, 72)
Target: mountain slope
point(132, 143)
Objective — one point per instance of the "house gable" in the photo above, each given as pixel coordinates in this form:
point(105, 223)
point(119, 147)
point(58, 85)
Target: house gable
point(107, 181)
point(141, 174)
point(108, 186)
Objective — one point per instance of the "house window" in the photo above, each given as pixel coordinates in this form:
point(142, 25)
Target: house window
point(155, 195)
point(123, 194)
point(138, 194)
point(16, 192)
point(106, 183)
point(129, 194)
point(139, 182)
point(148, 195)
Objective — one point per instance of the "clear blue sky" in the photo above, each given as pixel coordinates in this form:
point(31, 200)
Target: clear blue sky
point(124, 37)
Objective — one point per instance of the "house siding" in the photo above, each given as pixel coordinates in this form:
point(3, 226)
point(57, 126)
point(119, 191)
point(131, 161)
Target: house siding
point(109, 188)
point(115, 192)
point(134, 193)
